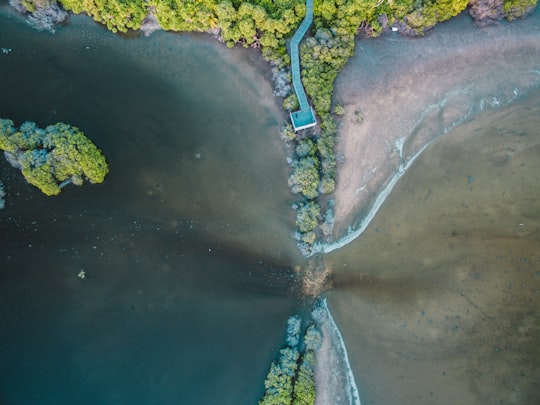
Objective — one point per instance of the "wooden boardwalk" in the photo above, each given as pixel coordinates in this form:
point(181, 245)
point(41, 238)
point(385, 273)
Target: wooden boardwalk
point(305, 117)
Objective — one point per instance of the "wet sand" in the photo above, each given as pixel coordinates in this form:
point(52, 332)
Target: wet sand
point(438, 300)
point(334, 379)
point(411, 91)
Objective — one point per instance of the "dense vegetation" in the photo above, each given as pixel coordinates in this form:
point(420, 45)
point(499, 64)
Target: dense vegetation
point(518, 8)
point(267, 24)
point(291, 378)
point(52, 157)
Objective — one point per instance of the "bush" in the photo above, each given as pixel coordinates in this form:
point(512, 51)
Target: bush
point(322, 58)
point(279, 380)
point(307, 216)
point(43, 15)
point(304, 178)
point(290, 103)
point(305, 147)
point(307, 239)
point(293, 330)
point(312, 338)
point(286, 382)
point(339, 110)
point(518, 8)
point(432, 12)
point(327, 185)
point(287, 132)
point(304, 387)
point(116, 15)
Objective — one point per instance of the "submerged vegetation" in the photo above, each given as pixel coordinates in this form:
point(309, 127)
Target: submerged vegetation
point(2, 194)
point(52, 157)
point(290, 379)
point(268, 24)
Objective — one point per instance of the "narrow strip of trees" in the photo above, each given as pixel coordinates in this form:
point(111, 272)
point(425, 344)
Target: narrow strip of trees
point(290, 380)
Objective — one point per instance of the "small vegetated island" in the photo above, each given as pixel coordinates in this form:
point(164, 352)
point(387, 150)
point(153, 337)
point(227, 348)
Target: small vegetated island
point(53, 157)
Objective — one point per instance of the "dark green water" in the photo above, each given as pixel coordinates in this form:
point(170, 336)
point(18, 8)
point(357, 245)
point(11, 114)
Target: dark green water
point(186, 246)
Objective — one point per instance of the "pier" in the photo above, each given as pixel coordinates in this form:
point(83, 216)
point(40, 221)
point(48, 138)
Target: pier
point(305, 117)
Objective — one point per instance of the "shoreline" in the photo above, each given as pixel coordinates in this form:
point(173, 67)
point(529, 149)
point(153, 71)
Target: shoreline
point(444, 276)
point(333, 372)
point(455, 78)
point(404, 165)
point(392, 73)
point(187, 219)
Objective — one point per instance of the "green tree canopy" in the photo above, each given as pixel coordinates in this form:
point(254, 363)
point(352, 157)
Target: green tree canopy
point(117, 15)
point(52, 157)
point(291, 380)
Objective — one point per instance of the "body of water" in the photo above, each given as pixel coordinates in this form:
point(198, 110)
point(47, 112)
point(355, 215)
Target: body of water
point(438, 298)
point(186, 246)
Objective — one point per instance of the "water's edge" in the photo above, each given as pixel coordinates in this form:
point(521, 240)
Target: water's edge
point(333, 373)
point(405, 162)
point(477, 104)
point(441, 82)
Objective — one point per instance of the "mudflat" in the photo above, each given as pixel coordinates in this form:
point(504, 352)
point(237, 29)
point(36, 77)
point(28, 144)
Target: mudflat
point(437, 297)
point(408, 92)
point(438, 300)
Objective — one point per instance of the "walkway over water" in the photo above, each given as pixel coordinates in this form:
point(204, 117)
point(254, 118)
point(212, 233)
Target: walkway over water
point(305, 117)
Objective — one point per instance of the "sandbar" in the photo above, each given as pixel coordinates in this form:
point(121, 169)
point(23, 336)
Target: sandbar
point(412, 91)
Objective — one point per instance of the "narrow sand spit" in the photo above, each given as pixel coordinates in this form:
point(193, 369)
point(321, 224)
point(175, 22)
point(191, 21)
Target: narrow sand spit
point(334, 380)
point(411, 91)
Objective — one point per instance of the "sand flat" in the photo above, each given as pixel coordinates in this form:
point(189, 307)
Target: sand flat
point(411, 91)
point(438, 300)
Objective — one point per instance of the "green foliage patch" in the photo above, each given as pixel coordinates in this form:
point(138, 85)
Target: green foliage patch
point(307, 216)
point(52, 157)
point(116, 15)
point(304, 178)
point(290, 379)
point(514, 9)
point(433, 12)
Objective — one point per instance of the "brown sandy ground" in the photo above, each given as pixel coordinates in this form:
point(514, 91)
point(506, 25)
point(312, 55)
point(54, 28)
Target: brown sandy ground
point(438, 301)
point(334, 380)
point(416, 89)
